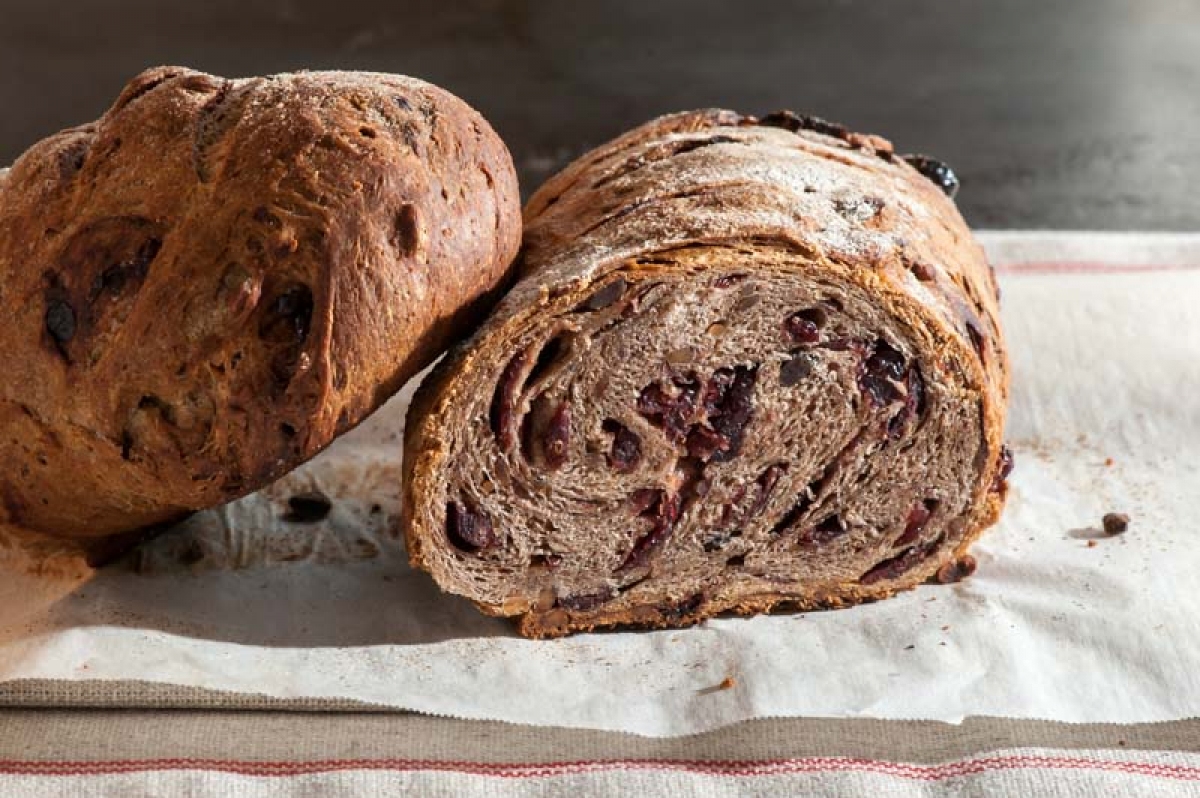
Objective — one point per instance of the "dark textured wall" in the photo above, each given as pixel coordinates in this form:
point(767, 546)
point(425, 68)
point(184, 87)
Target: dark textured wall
point(1056, 114)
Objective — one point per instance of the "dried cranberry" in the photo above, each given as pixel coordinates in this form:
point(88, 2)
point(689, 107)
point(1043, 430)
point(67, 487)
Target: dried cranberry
point(900, 564)
point(804, 326)
point(703, 442)
point(716, 388)
point(468, 528)
point(938, 173)
point(665, 512)
point(880, 374)
point(673, 411)
point(653, 401)
point(923, 271)
point(797, 122)
point(731, 413)
point(918, 517)
point(557, 437)
point(626, 451)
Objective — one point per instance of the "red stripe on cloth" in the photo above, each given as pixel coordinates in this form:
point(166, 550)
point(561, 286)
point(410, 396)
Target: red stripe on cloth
point(1090, 267)
point(770, 767)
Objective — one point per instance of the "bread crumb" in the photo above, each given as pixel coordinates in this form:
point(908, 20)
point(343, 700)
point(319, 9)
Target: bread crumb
point(1115, 523)
point(1108, 461)
point(728, 683)
point(1091, 544)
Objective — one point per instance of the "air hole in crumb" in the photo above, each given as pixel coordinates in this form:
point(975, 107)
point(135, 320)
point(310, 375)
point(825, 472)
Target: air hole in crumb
point(546, 358)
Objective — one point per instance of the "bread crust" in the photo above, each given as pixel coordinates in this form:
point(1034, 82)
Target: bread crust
point(208, 284)
point(619, 207)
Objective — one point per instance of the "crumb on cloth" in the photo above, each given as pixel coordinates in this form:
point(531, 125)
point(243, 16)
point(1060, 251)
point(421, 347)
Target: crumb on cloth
point(1115, 523)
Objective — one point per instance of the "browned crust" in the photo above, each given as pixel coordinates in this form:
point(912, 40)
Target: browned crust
point(569, 245)
point(207, 285)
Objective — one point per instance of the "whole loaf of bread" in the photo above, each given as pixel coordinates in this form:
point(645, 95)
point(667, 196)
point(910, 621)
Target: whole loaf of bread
point(750, 364)
point(204, 287)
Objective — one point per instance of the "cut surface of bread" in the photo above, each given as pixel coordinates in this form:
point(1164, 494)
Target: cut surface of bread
point(749, 364)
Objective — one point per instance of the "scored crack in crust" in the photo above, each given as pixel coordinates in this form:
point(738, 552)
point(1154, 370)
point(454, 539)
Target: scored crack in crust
point(205, 286)
point(749, 365)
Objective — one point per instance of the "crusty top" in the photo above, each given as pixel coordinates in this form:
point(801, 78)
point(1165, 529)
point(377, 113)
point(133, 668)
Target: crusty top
point(205, 286)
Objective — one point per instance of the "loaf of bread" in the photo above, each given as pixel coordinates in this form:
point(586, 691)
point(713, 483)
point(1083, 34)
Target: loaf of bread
point(204, 287)
point(749, 364)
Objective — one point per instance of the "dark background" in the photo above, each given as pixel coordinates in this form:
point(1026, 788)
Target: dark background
point(1055, 114)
